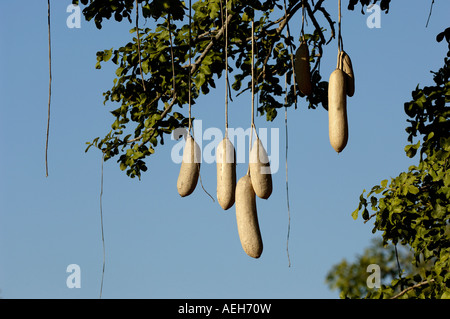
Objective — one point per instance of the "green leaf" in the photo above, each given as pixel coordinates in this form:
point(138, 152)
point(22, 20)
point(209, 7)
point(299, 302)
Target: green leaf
point(411, 150)
point(355, 214)
point(107, 54)
point(365, 214)
point(115, 125)
point(119, 71)
point(446, 295)
point(413, 189)
point(429, 136)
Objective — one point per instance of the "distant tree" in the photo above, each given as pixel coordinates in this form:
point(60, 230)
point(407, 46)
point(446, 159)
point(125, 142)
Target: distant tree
point(350, 278)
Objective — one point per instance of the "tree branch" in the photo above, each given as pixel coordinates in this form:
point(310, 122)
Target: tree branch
point(370, 217)
point(404, 291)
point(163, 115)
point(220, 32)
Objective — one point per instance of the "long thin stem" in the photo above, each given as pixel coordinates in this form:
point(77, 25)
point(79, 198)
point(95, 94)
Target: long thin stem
point(171, 55)
point(253, 74)
point(302, 31)
point(190, 69)
point(101, 224)
point(139, 44)
point(49, 89)
point(288, 35)
point(226, 71)
point(286, 131)
point(340, 42)
point(252, 126)
point(287, 188)
point(429, 15)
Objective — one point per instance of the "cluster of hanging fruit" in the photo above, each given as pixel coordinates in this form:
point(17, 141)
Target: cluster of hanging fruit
point(258, 180)
point(341, 84)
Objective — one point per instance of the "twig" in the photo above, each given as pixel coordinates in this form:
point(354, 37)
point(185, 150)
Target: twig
point(139, 44)
point(330, 22)
point(194, 66)
point(171, 56)
point(399, 268)
point(429, 15)
point(201, 184)
point(426, 282)
point(49, 89)
point(279, 30)
point(373, 215)
point(315, 23)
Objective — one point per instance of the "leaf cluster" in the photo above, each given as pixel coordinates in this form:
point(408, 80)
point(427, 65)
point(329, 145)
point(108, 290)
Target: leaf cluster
point(413, 208)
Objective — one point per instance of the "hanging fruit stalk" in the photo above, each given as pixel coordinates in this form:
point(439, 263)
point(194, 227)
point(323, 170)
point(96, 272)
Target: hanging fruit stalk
point(341, 84)
point(225, 153)
point(337, 110)
point(346, 66)
point(190, 168)
point(247, 218)
point(226, 173)
point(260, 173)
point(302, 69)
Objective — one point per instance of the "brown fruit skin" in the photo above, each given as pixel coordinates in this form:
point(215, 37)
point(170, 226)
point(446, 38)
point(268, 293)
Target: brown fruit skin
point(190, 168)
point(337, 110)
point(302, 69)
point(226, 173)
point(247, 218)
point(260, 170)
point(346, 66)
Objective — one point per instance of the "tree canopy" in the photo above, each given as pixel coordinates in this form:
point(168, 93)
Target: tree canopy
point(153, 69)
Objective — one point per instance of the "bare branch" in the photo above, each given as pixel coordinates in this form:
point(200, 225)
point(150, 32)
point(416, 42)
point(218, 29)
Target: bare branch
point(426, 282)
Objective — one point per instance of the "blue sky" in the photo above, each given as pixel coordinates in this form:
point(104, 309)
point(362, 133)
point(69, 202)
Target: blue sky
point(159, 245)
